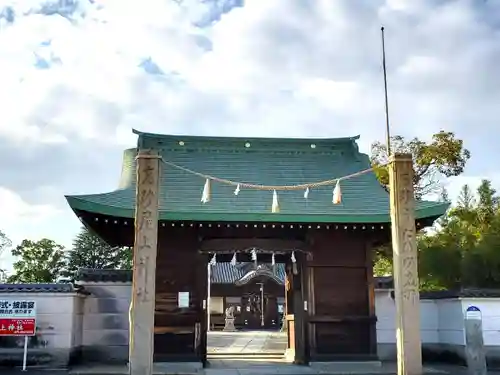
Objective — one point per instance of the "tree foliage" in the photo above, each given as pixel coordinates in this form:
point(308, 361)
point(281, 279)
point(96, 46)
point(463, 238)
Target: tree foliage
point(463, 250)
point(38, 262)
point(444, 155)
point(464, 253)
point(90, 251)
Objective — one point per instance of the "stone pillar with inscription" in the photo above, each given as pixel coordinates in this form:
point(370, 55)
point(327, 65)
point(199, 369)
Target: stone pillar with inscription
point(142, 309)
point(406, 282)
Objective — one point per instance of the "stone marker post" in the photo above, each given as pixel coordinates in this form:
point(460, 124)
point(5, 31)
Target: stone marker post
point(142, 309)
point(474, 344)
point(406, 283)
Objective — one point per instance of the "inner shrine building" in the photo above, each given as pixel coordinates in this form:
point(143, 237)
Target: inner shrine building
point(327, 248)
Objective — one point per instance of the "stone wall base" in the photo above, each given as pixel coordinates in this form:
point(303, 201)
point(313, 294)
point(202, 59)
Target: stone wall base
point(443, 353)
point(40, 357)
point(115, 354)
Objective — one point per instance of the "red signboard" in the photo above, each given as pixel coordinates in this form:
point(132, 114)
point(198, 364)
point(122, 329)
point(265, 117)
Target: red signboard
point(17, 327)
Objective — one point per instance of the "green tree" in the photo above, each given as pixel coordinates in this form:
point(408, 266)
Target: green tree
point(443, 197)
point(90, 251)
point(440, 259)
point(463, 253)
point(444, 155)
point(39, 262)
point(487, 203)
point(5, 243)
point(382, 263)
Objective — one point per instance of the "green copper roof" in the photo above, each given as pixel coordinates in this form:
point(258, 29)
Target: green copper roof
point(265, 161)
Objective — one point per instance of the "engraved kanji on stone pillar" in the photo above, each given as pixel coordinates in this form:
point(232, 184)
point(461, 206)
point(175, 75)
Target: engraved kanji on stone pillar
point(142, 308)
point(406, 283)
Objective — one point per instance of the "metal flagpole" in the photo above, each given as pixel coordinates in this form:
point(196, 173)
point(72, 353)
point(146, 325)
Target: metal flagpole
point(387, 127)
point(209, 271)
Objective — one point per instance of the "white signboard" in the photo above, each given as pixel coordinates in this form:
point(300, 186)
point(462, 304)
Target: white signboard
point(183, 299)
point(16, 308)
point(473, 313)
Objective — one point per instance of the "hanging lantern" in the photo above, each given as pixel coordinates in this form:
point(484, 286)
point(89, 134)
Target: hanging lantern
point(254, 255)
point(213, 261)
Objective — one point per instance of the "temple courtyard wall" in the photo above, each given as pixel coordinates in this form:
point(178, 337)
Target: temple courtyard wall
point(88, 322)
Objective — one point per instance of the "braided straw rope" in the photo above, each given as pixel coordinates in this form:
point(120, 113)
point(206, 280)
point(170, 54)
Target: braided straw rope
point(246, 185)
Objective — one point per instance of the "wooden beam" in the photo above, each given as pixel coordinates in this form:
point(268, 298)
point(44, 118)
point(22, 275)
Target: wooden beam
point(406, 283)
point(246, 244)
point(142, 307)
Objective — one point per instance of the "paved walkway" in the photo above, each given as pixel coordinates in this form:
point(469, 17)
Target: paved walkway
point(247, 353)
point(247, 368)
point(247, 342)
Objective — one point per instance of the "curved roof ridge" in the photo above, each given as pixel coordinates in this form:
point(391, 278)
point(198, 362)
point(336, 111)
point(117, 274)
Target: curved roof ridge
point(248, 138)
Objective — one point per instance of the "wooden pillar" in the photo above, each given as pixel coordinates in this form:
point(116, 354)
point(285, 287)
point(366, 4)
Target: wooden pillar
point(301, 314)
point(406, 283)
point(142, 309)
point(371, 298)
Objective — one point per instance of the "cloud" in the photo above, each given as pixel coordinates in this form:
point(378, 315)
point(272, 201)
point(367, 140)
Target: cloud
point(78, 75)
point(17, 212)
point(273, 67)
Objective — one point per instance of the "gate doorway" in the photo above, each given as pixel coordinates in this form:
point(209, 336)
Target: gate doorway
point(263, 315)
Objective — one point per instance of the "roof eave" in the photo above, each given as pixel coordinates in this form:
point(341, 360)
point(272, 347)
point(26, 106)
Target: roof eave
point(158, 135)
point(82, 203)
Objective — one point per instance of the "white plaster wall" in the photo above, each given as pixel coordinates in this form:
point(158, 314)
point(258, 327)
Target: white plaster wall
point(385, 308)
point(450, 322)
point(58, 332)
point(55, 316)
point(441, 320)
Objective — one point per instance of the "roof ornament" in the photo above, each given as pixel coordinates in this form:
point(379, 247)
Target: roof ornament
point(337, 194)
point(254, 255)
point(275, 208)
point(205, 197)
point(213, 261)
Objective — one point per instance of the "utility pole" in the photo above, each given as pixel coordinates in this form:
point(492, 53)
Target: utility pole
point(142, 308)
